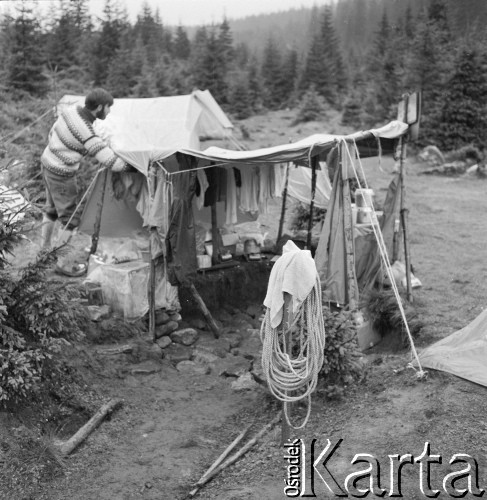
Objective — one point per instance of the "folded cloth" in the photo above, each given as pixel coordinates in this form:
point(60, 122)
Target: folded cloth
point(294, 273)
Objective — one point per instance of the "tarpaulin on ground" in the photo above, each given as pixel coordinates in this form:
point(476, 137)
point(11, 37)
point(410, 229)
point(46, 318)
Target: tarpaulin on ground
point(462, 353)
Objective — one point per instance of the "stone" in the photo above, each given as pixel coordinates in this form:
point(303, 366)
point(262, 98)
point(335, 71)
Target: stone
point(192, 368)
point(233, 366)
point(146, 368)
point(254, 311)
point(202, 355)
point(233, 339)
point(186, 336)
point(223, 315)
point(244, 383)
point(175, 316)
point(219, 347)
point(99, 313)
point(166, 329)
point(258, 373)
point(164, 342)
point(198, 323)
point(177, 353)
point(161, 317)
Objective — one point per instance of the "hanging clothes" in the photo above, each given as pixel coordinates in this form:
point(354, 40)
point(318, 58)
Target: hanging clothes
point(231, 201)
point(181, 240)
point(249, 190)
point(203, 186)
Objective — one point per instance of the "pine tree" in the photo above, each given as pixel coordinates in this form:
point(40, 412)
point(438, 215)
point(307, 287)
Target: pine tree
point(25, 59)
point(312, 107)
point(254, 85)
point(463, 115)
point(289, 76)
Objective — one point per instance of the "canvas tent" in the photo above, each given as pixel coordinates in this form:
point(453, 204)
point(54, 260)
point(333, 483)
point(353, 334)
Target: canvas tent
point(161, 138)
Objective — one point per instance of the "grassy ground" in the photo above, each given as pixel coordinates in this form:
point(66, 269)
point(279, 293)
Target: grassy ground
point(173, 426)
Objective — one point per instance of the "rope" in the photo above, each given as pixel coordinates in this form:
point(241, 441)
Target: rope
point(292, 378)
point(385, 258)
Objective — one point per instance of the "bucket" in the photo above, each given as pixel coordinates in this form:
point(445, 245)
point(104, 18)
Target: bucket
point(364, 197)
point(364, 215)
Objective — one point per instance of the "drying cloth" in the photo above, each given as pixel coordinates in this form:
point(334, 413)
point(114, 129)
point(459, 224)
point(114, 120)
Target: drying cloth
point(200, 199)
point(295, 273)
point(231, 203)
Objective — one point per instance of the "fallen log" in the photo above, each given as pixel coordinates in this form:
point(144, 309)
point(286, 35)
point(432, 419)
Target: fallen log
point(73, 442)
point(109, 351)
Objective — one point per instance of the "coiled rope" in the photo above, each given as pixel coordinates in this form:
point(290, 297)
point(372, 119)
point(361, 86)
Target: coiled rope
point(292, 378)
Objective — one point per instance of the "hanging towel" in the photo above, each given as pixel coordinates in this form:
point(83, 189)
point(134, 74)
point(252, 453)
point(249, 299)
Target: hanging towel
point(295, 273)
point(203, 181)
point(231, 198)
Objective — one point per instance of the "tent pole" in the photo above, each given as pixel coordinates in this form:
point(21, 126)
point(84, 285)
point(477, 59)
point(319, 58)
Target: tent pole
point(152, 266)
point(404, 220)
point(314, 162)
point(287, 321)
point(348, 231)
point(96, 230)
point(283, 207)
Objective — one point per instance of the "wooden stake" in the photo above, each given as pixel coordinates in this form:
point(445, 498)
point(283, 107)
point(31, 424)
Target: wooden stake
point(96, 230)
point(72, 443)
point(348, 231)
point(152, 265)
point(242, 451)
point(404, 220)
point(283, 206)
point(219, 460)
point(314, 162)
point(287, 321)
point(206, 313)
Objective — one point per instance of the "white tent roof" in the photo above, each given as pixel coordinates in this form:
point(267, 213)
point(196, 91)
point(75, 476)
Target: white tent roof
point(140, 129)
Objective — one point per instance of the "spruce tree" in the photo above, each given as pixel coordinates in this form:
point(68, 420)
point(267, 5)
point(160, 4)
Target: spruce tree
point(25, 58)
point(463, 118)
point(181, 45)
point(270, 72)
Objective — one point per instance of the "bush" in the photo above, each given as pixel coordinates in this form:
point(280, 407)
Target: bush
point(465, 153)
point(299, 217)
point(37, 315)
point(312, 107)
point(342, 364)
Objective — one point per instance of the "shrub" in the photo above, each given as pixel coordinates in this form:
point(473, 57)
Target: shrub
point(299, 217)
point(342, 364)
point(36, 317)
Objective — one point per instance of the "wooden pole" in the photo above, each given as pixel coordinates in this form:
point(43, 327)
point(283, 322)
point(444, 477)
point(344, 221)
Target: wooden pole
point(215, 243)
point(242, 451)
point(314, 162)
point(72, 443)
point(283, 207)
point(348, 231)
point(287, 321)
point(96, 230)
point(206, 313)
point(404, 220)
point(219, 460)
point(152, 265)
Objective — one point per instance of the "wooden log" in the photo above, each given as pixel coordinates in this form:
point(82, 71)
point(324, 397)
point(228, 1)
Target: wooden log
point(219, 460)
point(242, 451)
point(206, 313)
point(72, 443)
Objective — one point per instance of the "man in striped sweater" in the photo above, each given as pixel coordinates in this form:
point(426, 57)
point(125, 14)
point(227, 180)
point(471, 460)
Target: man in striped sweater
point(72, 137)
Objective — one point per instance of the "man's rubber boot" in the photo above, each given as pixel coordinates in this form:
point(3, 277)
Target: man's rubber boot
point(47, 229)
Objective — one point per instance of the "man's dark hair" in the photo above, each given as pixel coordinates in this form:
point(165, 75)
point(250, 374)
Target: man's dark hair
point(97, 97)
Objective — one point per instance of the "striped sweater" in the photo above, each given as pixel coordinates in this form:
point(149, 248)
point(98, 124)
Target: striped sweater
point(72, 137)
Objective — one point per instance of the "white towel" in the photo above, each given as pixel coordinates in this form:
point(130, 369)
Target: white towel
point(295, 273)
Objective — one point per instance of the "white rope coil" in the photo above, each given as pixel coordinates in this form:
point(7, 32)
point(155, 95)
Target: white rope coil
point(292, 378)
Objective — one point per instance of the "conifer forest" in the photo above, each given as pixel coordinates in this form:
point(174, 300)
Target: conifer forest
point(355, 56)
